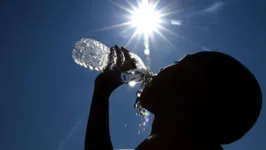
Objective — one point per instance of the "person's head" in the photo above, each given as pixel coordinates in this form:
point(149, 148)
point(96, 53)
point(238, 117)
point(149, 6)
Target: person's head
point(211, 91)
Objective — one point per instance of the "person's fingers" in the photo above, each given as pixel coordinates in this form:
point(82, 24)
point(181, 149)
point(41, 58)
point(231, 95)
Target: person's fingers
point(126, 53)
point(124, 49)
point(120, 58)
point(110, 62)
point(130, 63)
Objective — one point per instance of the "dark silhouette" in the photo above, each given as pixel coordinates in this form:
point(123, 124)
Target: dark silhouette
point(201, 102)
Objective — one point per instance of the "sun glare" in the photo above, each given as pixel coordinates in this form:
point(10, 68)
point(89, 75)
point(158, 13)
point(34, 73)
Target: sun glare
point(132, 83)
point(145, 18)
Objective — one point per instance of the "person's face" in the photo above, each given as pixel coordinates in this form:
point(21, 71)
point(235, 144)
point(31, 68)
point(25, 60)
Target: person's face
point(164, 86)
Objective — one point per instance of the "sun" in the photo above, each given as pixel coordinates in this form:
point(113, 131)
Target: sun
point(145, 18)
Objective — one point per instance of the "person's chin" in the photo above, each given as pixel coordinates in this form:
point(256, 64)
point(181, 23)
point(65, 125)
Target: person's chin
point(148, 102)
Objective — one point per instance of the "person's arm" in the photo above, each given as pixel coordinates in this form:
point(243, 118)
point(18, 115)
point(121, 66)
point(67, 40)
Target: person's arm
point(97, 132)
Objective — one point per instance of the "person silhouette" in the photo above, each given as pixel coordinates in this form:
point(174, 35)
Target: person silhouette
point(203, 101)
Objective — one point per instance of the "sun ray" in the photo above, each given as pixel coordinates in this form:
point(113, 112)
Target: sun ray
point(131, 5)
point(140, 2)
point(165, 8)
point(127, 29)
point(171, 12)
point(121, 6)
point(115, 26)
point(155, 4)
point(146, 18)
point(132, 37)
point(152, 37)
point(162, 36)
point(168, 12)
point(171, 32)
point(138, 37)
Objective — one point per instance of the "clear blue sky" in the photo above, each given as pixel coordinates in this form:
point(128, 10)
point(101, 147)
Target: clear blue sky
point(45, 96)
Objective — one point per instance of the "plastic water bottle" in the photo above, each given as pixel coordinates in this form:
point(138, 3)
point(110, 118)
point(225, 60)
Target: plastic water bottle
point(95, 55)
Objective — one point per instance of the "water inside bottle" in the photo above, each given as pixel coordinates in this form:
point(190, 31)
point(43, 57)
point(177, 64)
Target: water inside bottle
point(95, 55)
point(91, 54)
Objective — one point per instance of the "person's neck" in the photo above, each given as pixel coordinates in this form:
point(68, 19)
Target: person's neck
point(181, 143)
point(184, 136)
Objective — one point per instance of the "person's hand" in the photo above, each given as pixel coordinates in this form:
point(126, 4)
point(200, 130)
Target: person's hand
point(129, 62)
point(109, 80)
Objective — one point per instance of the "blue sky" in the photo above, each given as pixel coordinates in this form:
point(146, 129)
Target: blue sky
point(45, 96)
